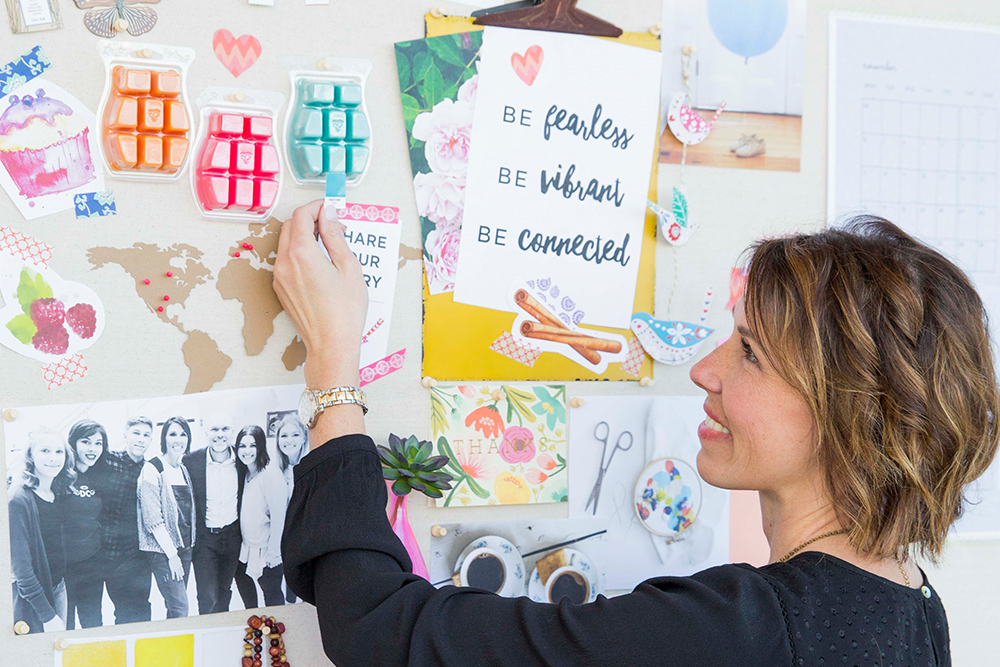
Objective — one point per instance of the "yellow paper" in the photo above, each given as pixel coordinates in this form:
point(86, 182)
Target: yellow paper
point(176, 651)
point(97, 654)
point(457, 336)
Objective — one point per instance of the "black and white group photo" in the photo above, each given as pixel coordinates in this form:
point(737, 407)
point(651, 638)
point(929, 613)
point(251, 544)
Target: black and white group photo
point(149, 509)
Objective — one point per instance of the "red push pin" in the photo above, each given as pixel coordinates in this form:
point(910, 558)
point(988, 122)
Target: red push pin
point(170, 274)
point(146, 281)
point(236, 254)
point(249, 246)
point(159, 309)
point(166, 297)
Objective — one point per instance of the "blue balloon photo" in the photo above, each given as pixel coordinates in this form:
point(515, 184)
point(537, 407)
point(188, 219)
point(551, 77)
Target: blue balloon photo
point(748, 28)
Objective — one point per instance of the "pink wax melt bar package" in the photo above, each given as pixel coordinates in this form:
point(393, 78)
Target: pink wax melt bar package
point(237, 163)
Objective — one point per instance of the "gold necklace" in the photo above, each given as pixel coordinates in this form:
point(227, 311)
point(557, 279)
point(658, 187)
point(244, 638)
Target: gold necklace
point(808, 542)
point(899, 561)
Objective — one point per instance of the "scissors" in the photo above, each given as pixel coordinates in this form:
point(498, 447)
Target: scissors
point(602, 433)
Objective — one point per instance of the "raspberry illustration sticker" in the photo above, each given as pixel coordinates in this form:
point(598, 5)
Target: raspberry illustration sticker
point(45, 317)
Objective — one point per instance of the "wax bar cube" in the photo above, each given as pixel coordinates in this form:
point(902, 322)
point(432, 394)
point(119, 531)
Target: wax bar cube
point(334, 124)
point(123, 151)
point(213, 192)
point(243, 157)
point(226, 124)
point(357, 126)
point(175, 120)
point(166, 84)
point(150, 152)
point(357, 158)
point(349, 95)
point(266, 163)
point(174, 151)
point(265, 192)
point(150, 114)
point(257, 127)
point(123, 114)
point(217, 155)
point(241, 194)
point(334, 158)
point(317, 93)
point(131, 81)
point(309, 124)
point(308, 160)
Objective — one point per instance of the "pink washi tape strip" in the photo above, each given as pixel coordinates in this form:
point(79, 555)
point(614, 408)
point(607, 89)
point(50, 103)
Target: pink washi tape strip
point(636, 355)
point(512, 349)
point(383, 367)
point(369, 213)
point(58, 373)
point(24, 247)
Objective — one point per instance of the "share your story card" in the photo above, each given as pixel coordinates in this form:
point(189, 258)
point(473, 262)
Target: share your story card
point(564, 132)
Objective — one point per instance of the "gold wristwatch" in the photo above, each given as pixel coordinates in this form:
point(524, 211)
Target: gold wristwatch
point(314, 401)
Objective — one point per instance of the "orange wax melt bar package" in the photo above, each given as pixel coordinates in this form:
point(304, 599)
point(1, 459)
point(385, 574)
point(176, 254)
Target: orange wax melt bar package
point(146, 120)
point(237, 169)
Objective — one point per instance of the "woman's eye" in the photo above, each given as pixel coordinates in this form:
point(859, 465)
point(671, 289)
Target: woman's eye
point(748, 351)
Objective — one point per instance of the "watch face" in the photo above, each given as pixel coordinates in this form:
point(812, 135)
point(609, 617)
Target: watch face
point(307, 407)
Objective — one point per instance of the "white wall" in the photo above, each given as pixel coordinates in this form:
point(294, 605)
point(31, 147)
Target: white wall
point(139, 356)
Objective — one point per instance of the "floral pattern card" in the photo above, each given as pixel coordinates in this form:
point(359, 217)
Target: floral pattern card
point(506, 444)
point(438, 82)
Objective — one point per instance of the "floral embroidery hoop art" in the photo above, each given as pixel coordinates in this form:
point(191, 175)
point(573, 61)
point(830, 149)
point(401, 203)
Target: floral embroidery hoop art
point(668, 497)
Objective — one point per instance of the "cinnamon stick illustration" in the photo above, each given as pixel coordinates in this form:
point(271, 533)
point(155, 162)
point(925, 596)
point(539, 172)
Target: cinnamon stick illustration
point(546, 332)
point(531, 306)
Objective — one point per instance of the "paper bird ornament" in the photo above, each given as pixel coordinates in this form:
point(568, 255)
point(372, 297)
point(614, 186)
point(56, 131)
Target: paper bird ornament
point(686, 124)
point(676, 224)
point(672, 342)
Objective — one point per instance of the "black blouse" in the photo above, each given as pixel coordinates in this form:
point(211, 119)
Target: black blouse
point(341, 555)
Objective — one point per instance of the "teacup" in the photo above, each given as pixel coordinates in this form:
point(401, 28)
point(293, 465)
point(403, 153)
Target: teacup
point(484, 568)
point(568, 582)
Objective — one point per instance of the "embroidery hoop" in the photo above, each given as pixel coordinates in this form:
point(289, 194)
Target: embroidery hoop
point(640, 485)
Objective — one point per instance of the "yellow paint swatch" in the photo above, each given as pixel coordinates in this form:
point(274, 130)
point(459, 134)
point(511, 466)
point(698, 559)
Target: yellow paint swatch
point(176, 651)
point(105, 654)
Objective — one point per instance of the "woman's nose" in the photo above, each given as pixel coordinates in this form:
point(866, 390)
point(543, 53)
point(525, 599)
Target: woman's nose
point(705, 372)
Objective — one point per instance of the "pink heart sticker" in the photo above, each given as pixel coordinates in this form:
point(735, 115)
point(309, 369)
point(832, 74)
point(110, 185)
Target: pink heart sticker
point(527, 66)
point(236, 53)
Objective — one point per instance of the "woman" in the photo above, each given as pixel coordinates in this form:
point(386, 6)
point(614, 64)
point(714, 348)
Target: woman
point(265, 499)
point(85, 565)
point(293, 444)
point(166, 515)
point(857, 395)
point(37, 545)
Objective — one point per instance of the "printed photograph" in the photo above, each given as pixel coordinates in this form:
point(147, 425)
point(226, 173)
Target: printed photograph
point(745, 59)
point(148, 509)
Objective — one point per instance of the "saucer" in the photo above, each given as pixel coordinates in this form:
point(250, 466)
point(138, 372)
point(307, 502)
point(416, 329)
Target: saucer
point(514, 564)
point(536, 589)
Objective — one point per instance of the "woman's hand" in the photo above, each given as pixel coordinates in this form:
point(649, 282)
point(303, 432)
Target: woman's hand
point(176, 569)
point(326, 299)
point(273, 558)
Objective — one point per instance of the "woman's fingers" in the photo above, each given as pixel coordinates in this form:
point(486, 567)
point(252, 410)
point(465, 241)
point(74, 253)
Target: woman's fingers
point(331, 232)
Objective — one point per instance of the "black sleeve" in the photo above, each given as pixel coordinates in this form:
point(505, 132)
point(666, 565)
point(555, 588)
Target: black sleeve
point(341, 555)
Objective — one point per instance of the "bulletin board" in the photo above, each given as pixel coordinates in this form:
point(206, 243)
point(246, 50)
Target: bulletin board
point(202, 344)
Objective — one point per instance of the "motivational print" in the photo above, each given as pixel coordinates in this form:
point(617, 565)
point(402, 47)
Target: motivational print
point(559, 169)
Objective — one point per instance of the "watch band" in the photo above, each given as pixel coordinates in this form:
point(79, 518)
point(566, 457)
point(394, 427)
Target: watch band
point(340, 396)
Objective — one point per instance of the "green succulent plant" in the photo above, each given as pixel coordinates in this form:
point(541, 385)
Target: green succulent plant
point(409, 465)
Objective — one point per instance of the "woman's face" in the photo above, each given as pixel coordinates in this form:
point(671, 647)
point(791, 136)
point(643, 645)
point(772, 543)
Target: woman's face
point(247, 451)
point(50, 457)
point(177, 441)
point(89, 449)
point(290, 443)
point(758, 433)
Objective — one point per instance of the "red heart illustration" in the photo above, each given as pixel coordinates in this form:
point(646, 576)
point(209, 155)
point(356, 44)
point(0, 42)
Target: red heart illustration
point(527, 66)
point(237, 54)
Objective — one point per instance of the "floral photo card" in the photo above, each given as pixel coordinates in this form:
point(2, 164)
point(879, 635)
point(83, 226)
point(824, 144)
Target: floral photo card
point(506, 444)
point(438, 81)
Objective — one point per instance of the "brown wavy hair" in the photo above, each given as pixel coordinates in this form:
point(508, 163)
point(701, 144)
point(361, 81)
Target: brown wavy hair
point(888, 342)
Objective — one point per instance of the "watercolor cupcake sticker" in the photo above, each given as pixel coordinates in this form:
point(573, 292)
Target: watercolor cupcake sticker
point(46, 149)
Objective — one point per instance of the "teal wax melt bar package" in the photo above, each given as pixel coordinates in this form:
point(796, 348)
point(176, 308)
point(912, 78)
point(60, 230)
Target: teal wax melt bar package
point(327, 126)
